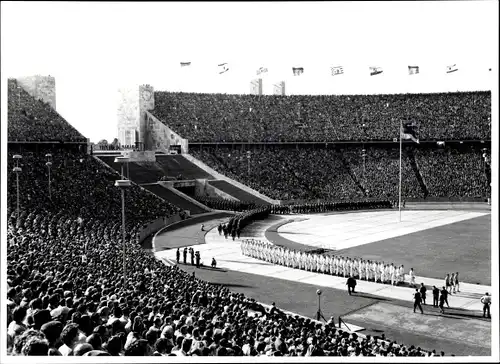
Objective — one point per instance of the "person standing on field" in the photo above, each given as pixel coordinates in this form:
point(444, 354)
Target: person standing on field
point(486, 301)
point(435, 296)
point(417, 299)
point(423, 292)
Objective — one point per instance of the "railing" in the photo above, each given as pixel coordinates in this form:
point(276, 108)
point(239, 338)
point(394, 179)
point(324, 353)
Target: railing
point(342, 322)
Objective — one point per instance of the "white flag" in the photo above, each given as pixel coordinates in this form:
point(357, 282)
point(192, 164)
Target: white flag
point(261, 70)
point(413, 70)
point(338, 70)
point(375, 71)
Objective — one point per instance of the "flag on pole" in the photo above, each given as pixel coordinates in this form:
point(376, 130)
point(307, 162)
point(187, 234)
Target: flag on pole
point(297, 71)
point(185, 64)
point(261, 70)
point(413, 70)
point(408, 132)
point(223, 67)
point(375, 71)
point(452, 68)
point(338, 70)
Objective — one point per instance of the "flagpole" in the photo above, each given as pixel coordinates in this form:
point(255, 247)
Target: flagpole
point(400, 165)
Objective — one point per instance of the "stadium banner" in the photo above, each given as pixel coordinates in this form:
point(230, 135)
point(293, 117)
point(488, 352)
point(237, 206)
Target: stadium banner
point(375, 71)
point(297, 71)
point(413, 70)
point(452, 68)
point(261, 70)
point(185, 64)
point(223, 68)
point(338, 70)
point(408, 132)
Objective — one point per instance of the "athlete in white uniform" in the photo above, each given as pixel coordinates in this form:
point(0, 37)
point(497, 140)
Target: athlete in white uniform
point(375, 271)
point(368, 269)
point(412, 278)
point(392, 272)
point(381, 269)
point(402, 274)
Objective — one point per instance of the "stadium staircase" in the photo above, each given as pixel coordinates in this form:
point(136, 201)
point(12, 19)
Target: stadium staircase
point(231, 187)
point(184, 167)
point(177, 198)
point(416, 170)
point(139, 172)
point(178, 166)
point(236, 192)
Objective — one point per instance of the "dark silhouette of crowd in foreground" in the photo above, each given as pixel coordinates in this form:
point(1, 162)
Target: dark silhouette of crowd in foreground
point(304, 173)
point(306, 118)
point(34, 120)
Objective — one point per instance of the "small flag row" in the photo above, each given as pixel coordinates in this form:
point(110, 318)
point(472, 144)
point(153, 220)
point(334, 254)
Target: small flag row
point(335, 71)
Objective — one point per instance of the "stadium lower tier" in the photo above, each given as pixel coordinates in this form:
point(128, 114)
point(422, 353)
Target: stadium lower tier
point(308, 173)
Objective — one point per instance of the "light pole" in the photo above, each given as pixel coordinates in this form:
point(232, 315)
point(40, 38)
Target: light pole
point(248, 161)
point(49, 164)
point(363, 151)
point(123, 184)
point(17, 170)
point(122, 161)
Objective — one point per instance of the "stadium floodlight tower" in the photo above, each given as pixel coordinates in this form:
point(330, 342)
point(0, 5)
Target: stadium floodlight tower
point(122, 161)
point(49, 165)
point(17, 170)
point(123, 184)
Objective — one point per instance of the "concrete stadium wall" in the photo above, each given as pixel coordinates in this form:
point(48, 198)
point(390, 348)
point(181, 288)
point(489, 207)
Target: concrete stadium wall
point(156, 225)
point(206, 189)
point(447, 206)
point(198, 220)
point(159, 137)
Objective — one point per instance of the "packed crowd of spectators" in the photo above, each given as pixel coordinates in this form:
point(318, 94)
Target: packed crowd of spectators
point(454, 173)
point(34, 120)
point(71, 300)
point(285, 173)
point(306, 174)
point(378, 172)
point(76, 176)
point(243, 118)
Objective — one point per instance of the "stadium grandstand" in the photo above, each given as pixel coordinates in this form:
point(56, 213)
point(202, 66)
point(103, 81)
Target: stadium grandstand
point(75, 299)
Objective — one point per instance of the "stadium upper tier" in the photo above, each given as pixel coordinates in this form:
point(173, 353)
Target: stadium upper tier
point(307, 173)
point(302, 118)
point(34, 120)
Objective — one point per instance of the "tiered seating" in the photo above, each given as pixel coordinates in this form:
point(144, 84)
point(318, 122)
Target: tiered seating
point(453, 173)
point(249, 118)
point(325, 174)
point(34, 120)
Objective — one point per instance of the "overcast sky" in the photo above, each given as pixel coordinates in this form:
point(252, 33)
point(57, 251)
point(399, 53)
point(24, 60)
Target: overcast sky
point(92, 49)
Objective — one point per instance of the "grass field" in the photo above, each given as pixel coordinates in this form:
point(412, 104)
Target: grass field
point(464, 246)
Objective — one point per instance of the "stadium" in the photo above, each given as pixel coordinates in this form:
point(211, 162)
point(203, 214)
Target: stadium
point(220, 224)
